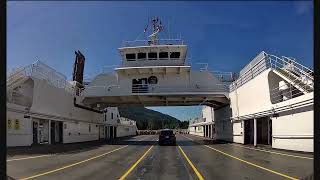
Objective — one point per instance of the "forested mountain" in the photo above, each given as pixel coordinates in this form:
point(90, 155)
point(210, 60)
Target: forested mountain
point(150, 119)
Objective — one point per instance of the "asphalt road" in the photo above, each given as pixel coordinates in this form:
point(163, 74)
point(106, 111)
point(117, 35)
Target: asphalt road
point(141, 157)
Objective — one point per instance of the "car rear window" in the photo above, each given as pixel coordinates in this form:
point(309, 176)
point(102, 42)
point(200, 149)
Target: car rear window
point(166, 133)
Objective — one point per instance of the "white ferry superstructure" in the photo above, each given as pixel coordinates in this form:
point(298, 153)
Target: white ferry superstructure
point(270, 103)
point(41, 109)
point(156, 72)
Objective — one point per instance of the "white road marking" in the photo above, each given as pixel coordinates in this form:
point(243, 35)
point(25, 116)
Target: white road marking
point(47, 155)
point(30, 157)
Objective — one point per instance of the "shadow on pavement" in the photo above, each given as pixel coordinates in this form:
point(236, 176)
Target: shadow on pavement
point(61, 148)
point(87, 146)
point(199, 142)
point(141, 143)
point(55, 148)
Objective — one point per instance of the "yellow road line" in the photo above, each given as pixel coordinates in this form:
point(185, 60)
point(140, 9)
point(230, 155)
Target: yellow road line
point(135, 164)
point(190, 163)
point(263, 150)
point(252, 164)
point(33, 157)
point(74, 164)
point(273, 152)
point(30, 157)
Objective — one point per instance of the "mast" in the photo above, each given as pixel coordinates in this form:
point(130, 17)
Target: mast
point(156, 28)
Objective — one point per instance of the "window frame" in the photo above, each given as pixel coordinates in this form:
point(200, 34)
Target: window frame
point(175, 52)
point(166, 58)
point(135, 56)
point(139, 59)
point(153, 58)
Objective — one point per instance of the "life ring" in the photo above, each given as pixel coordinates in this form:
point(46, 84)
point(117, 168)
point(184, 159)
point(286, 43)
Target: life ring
point(152, 80)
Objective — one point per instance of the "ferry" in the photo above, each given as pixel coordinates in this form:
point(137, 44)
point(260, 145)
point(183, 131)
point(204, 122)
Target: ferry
point(270, 102)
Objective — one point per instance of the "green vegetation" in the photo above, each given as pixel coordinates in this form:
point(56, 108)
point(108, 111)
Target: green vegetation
point(148, 119)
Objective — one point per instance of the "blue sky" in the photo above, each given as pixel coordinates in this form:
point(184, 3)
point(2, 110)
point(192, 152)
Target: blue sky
point(227, 35)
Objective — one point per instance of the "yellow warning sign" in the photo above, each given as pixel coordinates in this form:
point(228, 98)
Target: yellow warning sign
point(17, 124)
point(9, 124)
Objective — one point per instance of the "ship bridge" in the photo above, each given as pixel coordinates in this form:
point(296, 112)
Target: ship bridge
point(156, 72)
point(157, 86)
point(157, 75)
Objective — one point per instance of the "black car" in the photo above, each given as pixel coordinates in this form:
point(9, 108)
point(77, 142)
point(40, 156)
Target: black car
point(167, 137)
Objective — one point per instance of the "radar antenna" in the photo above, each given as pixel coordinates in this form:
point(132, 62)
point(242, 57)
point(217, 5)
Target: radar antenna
point(156, 28)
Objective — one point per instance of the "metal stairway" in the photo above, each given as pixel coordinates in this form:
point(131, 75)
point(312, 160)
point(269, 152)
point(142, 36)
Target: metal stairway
point(295, 80)
point(17, 77)
point(294, 73)
point(299, 79)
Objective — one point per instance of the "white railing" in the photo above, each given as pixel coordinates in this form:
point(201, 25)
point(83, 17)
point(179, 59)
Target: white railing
point(148, 42)
point(198, 66)
point(197, 120)
point(299, 68)
point(252, 62)
point(41, 71)
point(150, 88)
point(19, 73)
point(277, 95)
point(267, 61)
point(224, 76)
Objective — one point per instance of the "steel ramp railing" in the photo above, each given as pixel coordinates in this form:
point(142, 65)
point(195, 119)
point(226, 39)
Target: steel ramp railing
point(297, 73)
point(40, 71)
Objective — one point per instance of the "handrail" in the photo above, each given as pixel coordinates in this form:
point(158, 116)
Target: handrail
point(146, 42)
point(278, 95)
point(273, 62)
point(302, 69)
point(151, 88)
point(41, 71)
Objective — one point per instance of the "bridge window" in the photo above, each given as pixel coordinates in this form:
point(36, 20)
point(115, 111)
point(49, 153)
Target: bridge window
point(131, 57)
point(142, 55)
point(163, 55)
point(174, 55)
point(152, 56)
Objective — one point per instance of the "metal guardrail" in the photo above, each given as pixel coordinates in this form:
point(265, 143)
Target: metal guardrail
point(271, 61)
point(150, 88)
point(221, 75)
point(299, 68)
point(41, 71)
point(224, 76)
point(278, 96)
point(148, 42)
